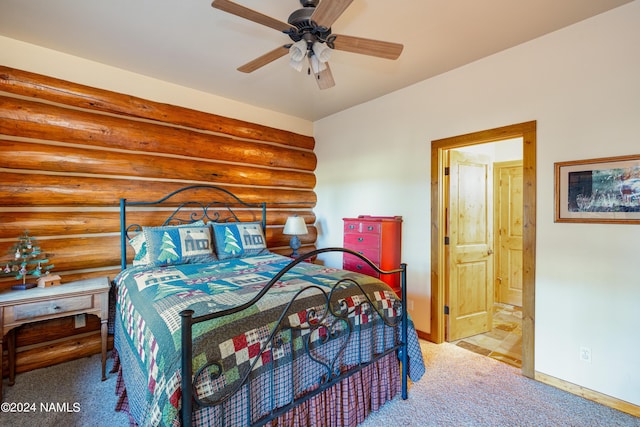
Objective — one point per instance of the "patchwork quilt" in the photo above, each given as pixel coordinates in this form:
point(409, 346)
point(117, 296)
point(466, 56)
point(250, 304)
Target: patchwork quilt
point(289, 340)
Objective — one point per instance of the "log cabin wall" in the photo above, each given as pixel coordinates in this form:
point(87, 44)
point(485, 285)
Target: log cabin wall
point(68, 154)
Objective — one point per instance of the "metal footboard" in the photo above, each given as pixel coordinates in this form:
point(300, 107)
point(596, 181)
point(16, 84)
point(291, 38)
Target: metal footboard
point(334, 322)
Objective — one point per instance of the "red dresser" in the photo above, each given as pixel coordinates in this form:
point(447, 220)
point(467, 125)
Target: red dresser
point(379, 238)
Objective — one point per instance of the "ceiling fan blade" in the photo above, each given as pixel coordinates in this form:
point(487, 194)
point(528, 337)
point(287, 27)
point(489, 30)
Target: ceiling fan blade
point(328, 11)
point(370, 47)
point(324, 78)
point(251, 15)
point(264, 60)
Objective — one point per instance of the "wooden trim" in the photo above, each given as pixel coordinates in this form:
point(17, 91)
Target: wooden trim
point(424, 335)
point(529, 250)
point(527, 131)
point(437, 237)
point(611, 402)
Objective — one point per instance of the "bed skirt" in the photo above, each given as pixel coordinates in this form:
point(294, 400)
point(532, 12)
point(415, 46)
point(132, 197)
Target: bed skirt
point(346, 404)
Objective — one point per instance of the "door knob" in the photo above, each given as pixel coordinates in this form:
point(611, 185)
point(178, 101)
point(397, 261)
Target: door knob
point(490, 252)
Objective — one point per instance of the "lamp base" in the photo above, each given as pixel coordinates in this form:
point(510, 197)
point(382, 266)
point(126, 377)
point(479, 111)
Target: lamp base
point(295, 245)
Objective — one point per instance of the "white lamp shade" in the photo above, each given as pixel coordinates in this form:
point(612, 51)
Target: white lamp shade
point(316, 65)
point(296, 65)
point(322, 51)
point(295, 225)
point(298, 51)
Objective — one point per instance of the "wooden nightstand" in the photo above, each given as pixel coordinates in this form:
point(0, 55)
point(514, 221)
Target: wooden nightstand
point(90, 296)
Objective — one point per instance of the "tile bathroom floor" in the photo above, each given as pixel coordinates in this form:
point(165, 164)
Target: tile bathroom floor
point(504, 341)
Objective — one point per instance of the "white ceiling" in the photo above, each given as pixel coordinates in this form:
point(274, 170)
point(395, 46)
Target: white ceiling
point(189, 43)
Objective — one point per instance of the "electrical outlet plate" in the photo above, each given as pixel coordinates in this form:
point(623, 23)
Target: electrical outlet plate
point(585, 354)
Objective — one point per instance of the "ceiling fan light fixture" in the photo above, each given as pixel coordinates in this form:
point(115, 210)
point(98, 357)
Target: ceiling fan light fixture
point(298, 51)
point(321, 51)
point(296, 65)
point(317, 66)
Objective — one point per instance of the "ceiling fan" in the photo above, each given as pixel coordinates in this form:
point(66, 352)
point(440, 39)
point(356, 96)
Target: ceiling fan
point(310, 31)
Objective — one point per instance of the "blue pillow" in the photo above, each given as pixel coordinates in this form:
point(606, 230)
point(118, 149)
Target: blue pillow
point(238, 239)
point(178, 245)
point(139, 243)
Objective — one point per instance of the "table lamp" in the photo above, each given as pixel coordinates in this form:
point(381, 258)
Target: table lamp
point(295, 227)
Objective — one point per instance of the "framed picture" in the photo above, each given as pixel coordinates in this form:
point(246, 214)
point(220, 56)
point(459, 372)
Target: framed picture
point(605, 190)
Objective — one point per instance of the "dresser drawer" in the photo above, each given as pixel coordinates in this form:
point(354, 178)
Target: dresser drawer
point(361, 241)
point(48, 308)
point(364, 227)
point(372, 254)
point(356, 264)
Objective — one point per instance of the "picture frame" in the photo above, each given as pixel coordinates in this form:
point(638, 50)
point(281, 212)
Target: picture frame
point(604, 190)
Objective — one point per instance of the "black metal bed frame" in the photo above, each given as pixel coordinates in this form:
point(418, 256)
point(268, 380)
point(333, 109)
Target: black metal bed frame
point(332, 319)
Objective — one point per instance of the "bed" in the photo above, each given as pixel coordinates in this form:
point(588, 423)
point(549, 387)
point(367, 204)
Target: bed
point(265, 339)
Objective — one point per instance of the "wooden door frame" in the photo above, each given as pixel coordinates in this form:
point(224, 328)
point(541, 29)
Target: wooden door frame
point(526, 131)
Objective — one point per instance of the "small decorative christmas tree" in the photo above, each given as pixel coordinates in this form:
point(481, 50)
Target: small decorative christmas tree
point(26, 259)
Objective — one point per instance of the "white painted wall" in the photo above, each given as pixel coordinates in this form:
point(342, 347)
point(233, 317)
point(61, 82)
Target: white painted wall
point(582, 86)
point(36, 59)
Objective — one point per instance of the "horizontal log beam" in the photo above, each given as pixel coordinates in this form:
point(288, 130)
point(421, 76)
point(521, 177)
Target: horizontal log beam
point(78, 253)
point(49, 223)
point(28, 119)
point(43, 157)
point(18, 189)
point(61, 91)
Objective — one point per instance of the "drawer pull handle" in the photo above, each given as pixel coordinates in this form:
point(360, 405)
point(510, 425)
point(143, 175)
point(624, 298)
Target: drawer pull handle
point(370, 228)
point(55, 307)
point(351, 227)
point(360, 239)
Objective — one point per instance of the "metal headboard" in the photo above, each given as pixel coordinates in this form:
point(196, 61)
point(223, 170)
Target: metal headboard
point(219, 209)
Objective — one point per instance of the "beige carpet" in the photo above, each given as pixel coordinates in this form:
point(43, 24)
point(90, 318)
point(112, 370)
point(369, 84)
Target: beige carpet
point(460, 388)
